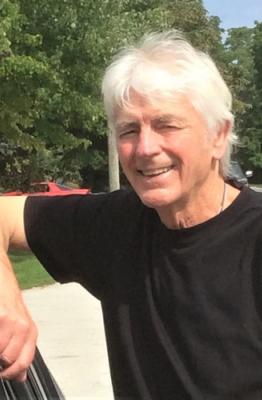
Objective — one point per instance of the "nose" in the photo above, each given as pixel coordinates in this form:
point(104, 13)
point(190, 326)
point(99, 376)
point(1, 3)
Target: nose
point(148, 143)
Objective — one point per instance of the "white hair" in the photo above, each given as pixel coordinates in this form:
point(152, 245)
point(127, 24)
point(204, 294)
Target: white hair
point(163, 65)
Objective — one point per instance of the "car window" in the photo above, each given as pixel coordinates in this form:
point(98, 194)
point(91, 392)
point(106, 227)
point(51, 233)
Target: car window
point(39, 187)
point(62, 187)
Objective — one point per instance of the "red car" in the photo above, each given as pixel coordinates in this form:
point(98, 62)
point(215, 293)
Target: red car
point(48, 189)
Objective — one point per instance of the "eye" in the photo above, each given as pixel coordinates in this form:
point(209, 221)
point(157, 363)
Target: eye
point(125, 130)
point(127, 133)
point(168, 127)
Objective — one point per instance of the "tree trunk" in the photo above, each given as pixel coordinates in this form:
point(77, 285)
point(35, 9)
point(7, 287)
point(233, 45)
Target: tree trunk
point(113, 163)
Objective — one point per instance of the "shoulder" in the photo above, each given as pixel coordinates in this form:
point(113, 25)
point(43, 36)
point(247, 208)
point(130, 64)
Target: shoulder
point(116, 204)
point(120, 198)
point(249, 214)
point(251, 201)
point(118, 207)
point(252, 193)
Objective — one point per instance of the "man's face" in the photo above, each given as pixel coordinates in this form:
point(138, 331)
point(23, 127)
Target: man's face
point(164, 150)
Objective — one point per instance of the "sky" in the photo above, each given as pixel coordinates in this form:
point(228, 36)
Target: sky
point(235, 13)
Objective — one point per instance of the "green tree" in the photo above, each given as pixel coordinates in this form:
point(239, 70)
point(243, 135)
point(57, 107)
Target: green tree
point(243, 51)
point(50, 85)
point(254, 148)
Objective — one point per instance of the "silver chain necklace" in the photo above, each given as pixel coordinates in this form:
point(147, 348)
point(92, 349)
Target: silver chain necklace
point(223, 198)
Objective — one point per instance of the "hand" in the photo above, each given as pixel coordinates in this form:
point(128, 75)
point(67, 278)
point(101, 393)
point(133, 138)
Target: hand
point(18, 333)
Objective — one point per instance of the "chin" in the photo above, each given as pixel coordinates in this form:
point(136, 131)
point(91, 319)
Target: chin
point(156, 198)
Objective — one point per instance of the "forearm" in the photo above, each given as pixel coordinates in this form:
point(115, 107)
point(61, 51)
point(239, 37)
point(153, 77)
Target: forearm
point(18, 332)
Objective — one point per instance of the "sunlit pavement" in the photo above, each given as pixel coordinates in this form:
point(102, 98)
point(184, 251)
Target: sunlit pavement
point(257, 189)
point(71, 340)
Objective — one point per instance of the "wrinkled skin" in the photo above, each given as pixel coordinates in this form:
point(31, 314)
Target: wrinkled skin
point(171, 159)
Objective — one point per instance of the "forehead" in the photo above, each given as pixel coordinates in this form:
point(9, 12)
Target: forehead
point(139, 104)
point(156, 107)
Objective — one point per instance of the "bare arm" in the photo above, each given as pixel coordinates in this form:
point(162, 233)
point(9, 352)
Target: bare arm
point(17, 331)
point(12, 232)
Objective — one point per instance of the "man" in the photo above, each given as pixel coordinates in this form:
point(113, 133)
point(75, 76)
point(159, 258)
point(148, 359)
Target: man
point(176, 263)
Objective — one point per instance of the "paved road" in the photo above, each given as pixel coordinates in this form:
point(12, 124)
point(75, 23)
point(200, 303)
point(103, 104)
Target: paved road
point(257, 189)
point(72, 340)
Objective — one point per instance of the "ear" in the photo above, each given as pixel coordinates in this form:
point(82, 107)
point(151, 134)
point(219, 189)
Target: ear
point(220, 140)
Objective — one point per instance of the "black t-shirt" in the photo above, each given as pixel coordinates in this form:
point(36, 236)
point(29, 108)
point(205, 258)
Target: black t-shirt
point(182, 308)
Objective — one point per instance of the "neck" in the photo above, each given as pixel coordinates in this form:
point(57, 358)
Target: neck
point(201, 205)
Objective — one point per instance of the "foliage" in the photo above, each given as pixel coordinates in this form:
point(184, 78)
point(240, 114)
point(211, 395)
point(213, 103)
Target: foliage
point(243, 50)
point(52, 58)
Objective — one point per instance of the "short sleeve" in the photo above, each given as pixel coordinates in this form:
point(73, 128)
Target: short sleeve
point(66, 235)
point(73, 235)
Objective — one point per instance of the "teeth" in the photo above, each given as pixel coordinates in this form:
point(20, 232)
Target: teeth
point(155, 172)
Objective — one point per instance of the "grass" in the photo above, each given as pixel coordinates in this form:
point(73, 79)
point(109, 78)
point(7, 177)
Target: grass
point(29, 271)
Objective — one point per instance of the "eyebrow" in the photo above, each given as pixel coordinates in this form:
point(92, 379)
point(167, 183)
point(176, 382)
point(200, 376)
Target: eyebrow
point(161, 119)
point(122, 126)
point(166, 118)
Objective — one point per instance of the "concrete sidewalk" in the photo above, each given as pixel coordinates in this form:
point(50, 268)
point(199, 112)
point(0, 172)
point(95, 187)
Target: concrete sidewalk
point(71, 340)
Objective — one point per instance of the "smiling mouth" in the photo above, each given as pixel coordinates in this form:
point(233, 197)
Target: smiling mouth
point(155, 172)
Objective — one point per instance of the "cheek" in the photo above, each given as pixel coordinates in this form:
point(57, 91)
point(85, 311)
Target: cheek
point(125, 152)
point(178, 147)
